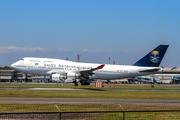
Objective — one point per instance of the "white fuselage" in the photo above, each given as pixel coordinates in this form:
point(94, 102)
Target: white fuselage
point(47, 67)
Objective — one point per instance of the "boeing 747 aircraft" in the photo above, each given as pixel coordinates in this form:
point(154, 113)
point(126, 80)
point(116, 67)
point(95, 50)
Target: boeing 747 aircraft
point(85, 72)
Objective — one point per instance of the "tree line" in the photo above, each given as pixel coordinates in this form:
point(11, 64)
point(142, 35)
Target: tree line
point(5, 68)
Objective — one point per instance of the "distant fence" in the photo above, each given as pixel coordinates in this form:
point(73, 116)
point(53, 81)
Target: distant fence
point(100, 115)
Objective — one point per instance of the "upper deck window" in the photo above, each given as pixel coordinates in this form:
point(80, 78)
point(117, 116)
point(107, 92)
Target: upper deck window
point(35, 61)
point(49, 61)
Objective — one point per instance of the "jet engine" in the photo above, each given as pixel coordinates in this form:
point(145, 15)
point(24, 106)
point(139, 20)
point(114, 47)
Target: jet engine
point(57, 77)
point(72, 76)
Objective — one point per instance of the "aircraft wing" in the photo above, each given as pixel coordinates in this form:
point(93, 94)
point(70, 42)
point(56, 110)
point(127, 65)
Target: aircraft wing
point(150, 70)
point(90, 72)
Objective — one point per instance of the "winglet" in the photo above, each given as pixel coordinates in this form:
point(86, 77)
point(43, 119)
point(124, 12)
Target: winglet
point(100, 67)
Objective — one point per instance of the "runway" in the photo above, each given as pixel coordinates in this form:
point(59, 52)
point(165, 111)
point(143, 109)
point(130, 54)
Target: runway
point(78, 89)
point(88, 101)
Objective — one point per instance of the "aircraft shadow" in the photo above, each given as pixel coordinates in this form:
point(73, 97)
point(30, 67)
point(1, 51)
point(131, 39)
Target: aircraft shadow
point(93, 89)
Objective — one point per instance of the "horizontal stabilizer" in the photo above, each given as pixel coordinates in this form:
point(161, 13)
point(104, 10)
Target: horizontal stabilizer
point(150, 70)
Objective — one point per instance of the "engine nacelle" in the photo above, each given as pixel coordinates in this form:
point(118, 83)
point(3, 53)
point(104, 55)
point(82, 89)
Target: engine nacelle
point(57, 77)
point(72, 76)
point(68, 77)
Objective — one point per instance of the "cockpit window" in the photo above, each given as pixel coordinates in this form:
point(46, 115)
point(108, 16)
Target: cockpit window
point(22, 59)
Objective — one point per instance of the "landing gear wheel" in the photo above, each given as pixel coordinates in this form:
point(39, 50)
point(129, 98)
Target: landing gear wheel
point(85, 83)
point(75, 83)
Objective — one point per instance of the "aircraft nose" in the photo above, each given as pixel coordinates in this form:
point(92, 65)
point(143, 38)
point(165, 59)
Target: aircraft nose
point(13, 65)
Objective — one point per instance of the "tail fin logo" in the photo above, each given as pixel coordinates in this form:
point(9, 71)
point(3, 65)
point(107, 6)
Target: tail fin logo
point(154, 56)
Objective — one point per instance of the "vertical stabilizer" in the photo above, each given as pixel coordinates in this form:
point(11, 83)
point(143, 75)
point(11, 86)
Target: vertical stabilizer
point(154, 58)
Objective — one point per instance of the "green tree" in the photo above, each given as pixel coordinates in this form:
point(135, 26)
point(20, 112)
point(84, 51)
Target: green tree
point(5, 68)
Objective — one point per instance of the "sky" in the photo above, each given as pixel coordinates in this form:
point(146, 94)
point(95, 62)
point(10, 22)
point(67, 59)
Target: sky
point(124, 30)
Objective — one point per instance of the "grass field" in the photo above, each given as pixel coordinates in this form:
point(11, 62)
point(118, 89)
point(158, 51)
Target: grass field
point(88, 93)
point(106, 86)
point(81, 107)
point(91, 94)
point(97, 107)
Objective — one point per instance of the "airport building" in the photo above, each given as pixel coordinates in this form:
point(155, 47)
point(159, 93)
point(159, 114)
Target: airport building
point(15, 76)
point(170, 73)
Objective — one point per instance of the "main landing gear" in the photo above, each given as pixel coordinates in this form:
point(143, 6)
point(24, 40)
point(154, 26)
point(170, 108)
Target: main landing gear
point(85, 83)
point(75, 83)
